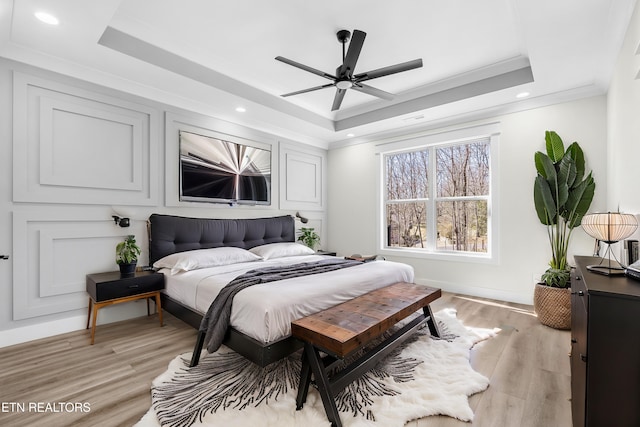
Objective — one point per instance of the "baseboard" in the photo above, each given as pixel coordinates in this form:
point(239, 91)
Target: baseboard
point(476, 291)
point(41, 330)
point(74, 323)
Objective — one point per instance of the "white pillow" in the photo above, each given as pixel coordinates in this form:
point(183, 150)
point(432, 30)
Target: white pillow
point(279, 250)
point(203, 258)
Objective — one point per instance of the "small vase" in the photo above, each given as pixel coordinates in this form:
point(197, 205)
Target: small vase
point(127, 270)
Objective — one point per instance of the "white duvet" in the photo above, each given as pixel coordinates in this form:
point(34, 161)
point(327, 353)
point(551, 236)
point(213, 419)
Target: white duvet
point(264, 312)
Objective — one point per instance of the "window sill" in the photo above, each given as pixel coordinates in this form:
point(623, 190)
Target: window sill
point(440, 256)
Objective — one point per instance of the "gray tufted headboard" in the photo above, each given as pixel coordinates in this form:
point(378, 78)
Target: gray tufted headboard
point(170, 234)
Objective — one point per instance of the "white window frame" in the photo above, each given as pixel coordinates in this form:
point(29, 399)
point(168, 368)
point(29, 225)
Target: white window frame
point(435, 140)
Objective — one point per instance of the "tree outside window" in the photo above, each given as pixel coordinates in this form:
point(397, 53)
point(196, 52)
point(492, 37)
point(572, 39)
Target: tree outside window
point(437, 197)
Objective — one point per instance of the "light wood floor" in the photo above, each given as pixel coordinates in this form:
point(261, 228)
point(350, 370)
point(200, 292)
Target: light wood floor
point(527, 363)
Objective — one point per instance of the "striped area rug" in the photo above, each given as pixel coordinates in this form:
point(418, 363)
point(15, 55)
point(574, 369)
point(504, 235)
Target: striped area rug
point(425, 376)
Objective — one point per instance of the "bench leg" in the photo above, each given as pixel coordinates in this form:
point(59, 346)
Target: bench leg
point(305, 380)
point(324, 387)
point(195, 357)
point(433, 325)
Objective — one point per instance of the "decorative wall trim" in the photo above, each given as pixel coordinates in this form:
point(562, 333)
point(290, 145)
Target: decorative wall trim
point(120, 145)
point(60, 217)
point(73, 145)
point(52, 253)
point(302, 183)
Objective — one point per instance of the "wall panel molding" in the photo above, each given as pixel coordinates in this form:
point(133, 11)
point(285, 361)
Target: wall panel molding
point(303, 178)
point(53, 251)
point(72, 145)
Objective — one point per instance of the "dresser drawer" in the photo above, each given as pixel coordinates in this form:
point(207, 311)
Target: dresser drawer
point(579, 290)
point(107, 286)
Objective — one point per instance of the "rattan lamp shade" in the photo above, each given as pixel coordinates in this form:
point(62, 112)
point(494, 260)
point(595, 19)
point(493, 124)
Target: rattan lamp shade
point(609, 227)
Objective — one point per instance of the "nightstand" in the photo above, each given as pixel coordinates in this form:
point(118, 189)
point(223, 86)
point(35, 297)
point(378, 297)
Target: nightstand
point(110, 288)
point(329, 253)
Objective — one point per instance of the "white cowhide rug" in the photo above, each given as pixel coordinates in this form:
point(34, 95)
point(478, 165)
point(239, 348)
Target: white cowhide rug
point(425, 376)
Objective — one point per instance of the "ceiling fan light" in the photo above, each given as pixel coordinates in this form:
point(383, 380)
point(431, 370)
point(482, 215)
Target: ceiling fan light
point(344, 84)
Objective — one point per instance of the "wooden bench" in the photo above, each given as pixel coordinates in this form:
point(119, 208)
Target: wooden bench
point(342, 330)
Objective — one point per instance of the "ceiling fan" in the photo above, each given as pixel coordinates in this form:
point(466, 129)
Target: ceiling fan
point(344, 78)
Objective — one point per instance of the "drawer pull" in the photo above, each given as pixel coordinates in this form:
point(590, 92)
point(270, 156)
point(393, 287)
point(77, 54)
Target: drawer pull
point(583, 357)
point(134, 286)
point(573, 341)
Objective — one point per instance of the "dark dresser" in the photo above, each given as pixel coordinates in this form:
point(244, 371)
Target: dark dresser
point(605, 348)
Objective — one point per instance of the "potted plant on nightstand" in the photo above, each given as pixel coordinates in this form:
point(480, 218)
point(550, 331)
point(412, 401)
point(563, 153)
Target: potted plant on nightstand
point(127, 253)
point(562, 195)
point(309, 237)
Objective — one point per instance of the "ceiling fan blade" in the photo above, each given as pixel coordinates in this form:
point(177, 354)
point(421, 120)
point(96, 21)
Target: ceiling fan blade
point(350, 59)
point(373, 91)
point(385, 71)
point(337, 100)
point(308, 90)
point(306, 68)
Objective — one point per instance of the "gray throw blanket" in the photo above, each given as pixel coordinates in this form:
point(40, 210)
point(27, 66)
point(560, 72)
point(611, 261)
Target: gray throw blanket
point(216, 321)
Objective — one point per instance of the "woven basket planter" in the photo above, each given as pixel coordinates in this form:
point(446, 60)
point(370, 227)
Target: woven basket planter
point(553, 306)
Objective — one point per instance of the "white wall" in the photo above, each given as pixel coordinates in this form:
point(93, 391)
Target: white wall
point(623, 107)
point(523, 243)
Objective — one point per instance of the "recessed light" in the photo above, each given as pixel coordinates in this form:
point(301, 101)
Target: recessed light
point(351, 135)
point(47, 18)
point(522, 95)
point(241, 109)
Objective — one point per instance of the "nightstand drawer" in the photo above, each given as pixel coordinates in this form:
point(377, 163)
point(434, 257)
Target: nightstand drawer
point(107, 286)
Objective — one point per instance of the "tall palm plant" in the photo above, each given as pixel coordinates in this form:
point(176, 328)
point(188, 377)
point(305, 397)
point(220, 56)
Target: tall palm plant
point(562, 195)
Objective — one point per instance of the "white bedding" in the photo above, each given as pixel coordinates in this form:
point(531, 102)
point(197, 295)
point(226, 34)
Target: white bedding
point(264, 312)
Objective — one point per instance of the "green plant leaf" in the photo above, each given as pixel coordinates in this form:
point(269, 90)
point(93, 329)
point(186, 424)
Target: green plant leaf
point(567, 170)
point(539, 160)
point(557, 185)
point(309, 237)
point(561, 197)
point(545, 166)
point(579, 201)
point(544, 202)
point(557, 278)
point(555, 147)
point(127, 251)
point(565, 173)
point(578, 157)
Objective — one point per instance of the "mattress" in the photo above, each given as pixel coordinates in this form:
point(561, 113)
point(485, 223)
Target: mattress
point(265, 311)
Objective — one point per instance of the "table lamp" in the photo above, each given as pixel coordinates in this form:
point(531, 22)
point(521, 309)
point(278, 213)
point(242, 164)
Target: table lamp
point(610, 227)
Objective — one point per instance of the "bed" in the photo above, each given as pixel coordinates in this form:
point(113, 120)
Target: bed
point(261, 315)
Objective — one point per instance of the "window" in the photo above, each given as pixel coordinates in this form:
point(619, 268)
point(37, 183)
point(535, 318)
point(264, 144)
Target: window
point(437, 198)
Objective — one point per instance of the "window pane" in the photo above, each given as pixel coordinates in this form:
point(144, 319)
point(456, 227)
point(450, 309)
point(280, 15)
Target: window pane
point(407, 176)
point(406, 225)
point(462, 226)
point(463, 170)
